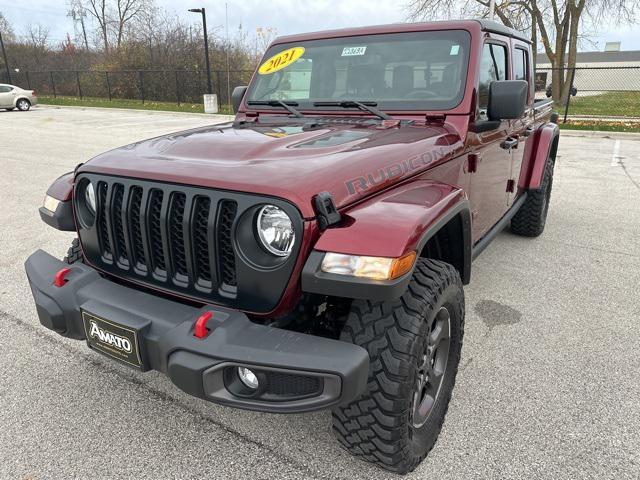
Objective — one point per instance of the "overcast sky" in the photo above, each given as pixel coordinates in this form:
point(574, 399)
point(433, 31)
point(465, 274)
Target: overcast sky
point(287, 16)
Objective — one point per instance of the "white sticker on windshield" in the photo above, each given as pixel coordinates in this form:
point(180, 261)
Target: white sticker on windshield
point(455, 49)
point(353, 51)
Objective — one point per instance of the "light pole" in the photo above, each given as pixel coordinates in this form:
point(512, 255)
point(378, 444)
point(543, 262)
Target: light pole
point(206, 46)
point(6, 62)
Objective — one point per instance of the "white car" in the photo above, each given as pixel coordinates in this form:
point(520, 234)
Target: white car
point(15, 97)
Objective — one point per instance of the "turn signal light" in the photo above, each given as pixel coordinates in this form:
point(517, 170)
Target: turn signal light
point(374, 268)
point(50, 203)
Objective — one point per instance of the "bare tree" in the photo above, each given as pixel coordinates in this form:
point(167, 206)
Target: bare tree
point(128, 11)
point(559, 24)
point(113, 17)
point(6, 30)
point(99, 11)
point(37, 36)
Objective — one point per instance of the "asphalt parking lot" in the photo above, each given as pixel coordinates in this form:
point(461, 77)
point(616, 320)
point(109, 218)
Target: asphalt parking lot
point(549, 385)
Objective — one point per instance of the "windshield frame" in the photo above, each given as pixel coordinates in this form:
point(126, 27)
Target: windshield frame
point(464, 37)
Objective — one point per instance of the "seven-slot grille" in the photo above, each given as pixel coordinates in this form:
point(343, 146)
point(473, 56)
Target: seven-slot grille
point(167, 234)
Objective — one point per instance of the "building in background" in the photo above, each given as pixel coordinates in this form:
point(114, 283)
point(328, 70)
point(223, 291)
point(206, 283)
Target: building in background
point(597, 71)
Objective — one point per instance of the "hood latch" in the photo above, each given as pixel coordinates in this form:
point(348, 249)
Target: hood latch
point(326, 211)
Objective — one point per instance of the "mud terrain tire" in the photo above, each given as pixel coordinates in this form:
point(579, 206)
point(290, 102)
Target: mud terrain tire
point(384, 426)
point(531, 218)
point(74, 254)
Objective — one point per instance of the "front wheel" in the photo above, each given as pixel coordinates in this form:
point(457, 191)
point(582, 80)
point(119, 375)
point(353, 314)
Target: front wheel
point(23, 105)
point(414, 345)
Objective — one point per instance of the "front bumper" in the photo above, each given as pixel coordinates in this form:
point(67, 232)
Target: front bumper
point(331, 372)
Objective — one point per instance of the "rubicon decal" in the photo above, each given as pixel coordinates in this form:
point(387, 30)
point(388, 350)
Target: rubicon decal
point(109, 338)
point(393, 171)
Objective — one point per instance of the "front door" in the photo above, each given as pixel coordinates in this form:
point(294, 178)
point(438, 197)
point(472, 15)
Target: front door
point(488, 195)
point(6, 98)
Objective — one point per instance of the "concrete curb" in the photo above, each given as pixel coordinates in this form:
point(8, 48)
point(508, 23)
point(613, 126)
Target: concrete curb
point(600, 134)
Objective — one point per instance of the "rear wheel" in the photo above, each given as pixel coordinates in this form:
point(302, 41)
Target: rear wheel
point(74, 254)
point(23, 104)
point(414, 345)
point(531, 218)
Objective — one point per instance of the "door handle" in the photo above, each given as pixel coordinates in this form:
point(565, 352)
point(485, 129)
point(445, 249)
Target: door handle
point(509, 143)
point(528, 131)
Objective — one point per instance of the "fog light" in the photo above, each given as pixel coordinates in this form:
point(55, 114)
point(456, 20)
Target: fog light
point(248, 377)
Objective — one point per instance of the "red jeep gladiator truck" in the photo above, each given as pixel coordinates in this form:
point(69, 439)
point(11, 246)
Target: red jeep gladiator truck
point(312, 252)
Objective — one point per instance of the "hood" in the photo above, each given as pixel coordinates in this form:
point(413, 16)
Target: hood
point(294, 159)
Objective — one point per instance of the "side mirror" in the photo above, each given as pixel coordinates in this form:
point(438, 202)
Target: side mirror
point(236, 97)
point(507, 99)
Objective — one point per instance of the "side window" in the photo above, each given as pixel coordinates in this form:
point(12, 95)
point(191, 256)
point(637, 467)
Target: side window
point(4, 89)
point(492, 67)
point(520, 64)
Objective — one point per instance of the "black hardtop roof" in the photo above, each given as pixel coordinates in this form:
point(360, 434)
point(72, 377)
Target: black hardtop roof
point(496, 27)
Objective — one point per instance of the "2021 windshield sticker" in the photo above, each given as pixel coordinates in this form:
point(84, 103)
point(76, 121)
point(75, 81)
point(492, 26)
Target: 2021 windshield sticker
point(281, 60)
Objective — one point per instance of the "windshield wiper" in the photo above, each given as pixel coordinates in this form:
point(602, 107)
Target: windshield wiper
point(364, 106)
point(278, 103)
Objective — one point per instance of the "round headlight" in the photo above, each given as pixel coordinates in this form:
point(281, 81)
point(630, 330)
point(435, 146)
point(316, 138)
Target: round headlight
point(90, 197)
point(275, 230)
point(85, 202)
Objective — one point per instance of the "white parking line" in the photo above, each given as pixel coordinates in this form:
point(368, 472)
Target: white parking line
point(615, 158)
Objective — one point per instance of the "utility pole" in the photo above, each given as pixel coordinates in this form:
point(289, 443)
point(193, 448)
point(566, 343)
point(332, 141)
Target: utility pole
point(6, 62)
point(206, 46)
point(84, 30)
point(77, 14)
point(226, 17)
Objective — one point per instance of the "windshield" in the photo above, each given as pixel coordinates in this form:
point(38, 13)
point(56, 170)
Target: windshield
point(400, 71)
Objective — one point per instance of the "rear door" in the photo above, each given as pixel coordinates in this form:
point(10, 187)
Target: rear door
point(521, 129)
point(493, 165)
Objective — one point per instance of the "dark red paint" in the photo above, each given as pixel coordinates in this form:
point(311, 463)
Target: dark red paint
point(390, 181)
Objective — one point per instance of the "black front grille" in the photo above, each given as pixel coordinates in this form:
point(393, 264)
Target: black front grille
point(195, 242)
point(169, 234)
point(227, 214)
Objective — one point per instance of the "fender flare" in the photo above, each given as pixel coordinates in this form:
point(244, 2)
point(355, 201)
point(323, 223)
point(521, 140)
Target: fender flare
point(62, 219)
point(62, 187)
point(543, 145)
point(462, 210)
point(389, 225)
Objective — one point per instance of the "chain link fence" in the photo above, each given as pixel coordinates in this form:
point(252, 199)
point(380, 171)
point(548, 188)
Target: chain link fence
point(178, 86)
point(598, 93)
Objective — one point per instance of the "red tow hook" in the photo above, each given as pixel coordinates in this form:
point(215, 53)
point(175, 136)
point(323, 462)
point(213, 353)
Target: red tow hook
point(200, 330)
point(60, 278)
